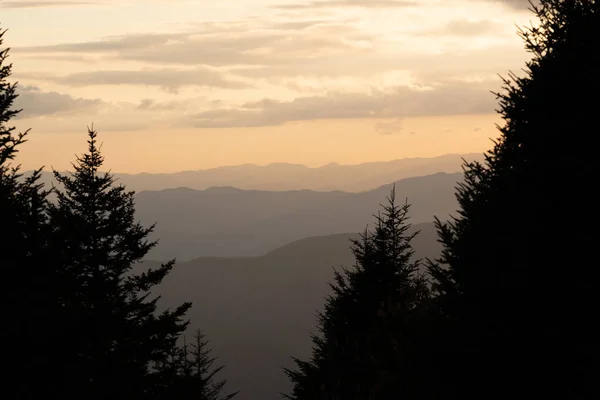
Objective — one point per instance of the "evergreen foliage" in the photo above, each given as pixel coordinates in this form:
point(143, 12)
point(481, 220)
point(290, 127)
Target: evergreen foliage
point(26, 300)
point(509, 312)
point(188, 373)
point(115, 335)
point(22, 200)
point(8, 139)
point(370, 322)
point(516, 279)
point(71, 286)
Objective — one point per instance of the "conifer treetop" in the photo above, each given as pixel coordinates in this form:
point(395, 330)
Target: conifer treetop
point(8, 139)
point(366, 328)
point(101, 247)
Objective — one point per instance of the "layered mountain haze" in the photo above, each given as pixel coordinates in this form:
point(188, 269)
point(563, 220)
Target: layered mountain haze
point(267, 256)
point(259, 310)
point(230, 222)
point(312, 199)
point(284, 176)
point(256, 263)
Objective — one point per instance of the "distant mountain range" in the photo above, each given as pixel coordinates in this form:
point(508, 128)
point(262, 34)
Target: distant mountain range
point(261, 243)
point(282, 176)
point(231, 222)
point(258, 312)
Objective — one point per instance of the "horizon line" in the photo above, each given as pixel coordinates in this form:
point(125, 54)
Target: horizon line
point(282, 163)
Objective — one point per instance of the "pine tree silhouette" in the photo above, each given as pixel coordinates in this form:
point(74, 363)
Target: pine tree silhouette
point(115, 334)
point(364, 349)
point(188, 373)
point(26, 296)
point(9, 142)
point(515, 282)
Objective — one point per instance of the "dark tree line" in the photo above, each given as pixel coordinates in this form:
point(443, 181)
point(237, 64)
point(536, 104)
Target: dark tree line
point(78, 321)
point(507, 311)
point(509, 308)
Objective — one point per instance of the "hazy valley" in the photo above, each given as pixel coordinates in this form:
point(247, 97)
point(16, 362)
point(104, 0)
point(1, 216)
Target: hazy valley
point(258, 311)
point(303, 261)
point(256, 264)
point(232, 222)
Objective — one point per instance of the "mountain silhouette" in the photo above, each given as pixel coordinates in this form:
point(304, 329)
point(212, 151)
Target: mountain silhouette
point(260, 310)
point(283, 176)
point(231, 222)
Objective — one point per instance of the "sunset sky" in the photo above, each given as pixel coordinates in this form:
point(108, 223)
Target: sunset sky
point(179, 85)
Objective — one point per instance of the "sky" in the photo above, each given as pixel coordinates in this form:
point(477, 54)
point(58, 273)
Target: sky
point(175, 85)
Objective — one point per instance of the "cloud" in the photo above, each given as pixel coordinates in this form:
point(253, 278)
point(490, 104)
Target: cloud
point(70, 58)
point(516, 4)
point(264, 51)
point(58, 112)
point(347, 3)
point(399, 102)
point(242, 44)
point(317, 52)
point(169, 79)
point(153, 105)
point(52, 111)
point(299, 25)
point(352, 70)
point(462, 27)
point(302, 68)
point(35, 103)
point(390, 127)
point(110, 45)
point(39, 4)
point(67, 3)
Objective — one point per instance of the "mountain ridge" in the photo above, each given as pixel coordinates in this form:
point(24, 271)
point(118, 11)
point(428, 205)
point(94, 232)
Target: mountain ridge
point(228, 188)
point(267, 304)
point(281, 176)
point(236, 222)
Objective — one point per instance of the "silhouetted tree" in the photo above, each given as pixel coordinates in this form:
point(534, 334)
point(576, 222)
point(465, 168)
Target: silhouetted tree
point(370, 322)
point(115, 334)
point(516, 280)
point(8, 140)
point(188, 373)
point(26, 301)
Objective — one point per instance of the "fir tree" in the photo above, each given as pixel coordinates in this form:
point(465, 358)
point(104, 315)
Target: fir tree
point(367, 332)
point(189, 373)
point(9, 141)
point(202, 371)
point(516, 279)
point(22, 200)
point(115, 334)
point(26, 300)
